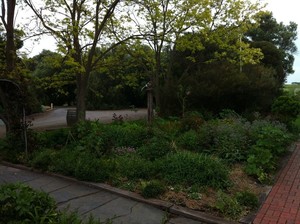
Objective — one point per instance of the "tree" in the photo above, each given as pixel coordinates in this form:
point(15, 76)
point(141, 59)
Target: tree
point(164, 23)
point(282, 37)
point(10, 113)
point(54, 79)
point(80, 26)
point(7, 18)
point(118, 81)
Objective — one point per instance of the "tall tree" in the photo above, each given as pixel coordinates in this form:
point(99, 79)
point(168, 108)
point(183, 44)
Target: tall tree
point(7, 17)
point(79, 27)
point(282, 37)
point(164, 22)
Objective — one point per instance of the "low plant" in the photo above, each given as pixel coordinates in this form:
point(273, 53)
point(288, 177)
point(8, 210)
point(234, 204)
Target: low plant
point(134, 167)
point(247, 199)
point(228, 205)
point(189, 168)
point(152, 189)
point(156, 148)
point(20, 203)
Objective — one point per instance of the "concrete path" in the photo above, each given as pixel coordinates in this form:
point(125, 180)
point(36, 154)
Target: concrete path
point(282, 206)
point(91, 200)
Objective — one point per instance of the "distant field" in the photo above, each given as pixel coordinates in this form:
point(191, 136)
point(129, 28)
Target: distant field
point(292, 88)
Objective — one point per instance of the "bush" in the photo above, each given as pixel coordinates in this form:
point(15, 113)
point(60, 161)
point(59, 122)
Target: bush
point(134, 167)
point(155, 149)
point(190, 141)
point(43, 159)
point(286, 108)
point(231, 140)
point(247, 199)
point(228, 206)
point(191, 121)
point(82, 165)
point(19, 202)
point(190, 168)
point(153, 189)
point(53, 139)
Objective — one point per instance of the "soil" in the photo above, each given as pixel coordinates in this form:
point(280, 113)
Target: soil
point(207, 197)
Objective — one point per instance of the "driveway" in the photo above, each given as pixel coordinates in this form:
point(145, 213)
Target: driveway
point(56, 118)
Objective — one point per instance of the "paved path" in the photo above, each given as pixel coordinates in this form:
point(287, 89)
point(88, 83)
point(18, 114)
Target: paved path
point(57, 118)
point(90, 200)
point(282, 206)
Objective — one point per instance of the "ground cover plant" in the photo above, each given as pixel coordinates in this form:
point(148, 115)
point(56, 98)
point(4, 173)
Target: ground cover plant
point(207, 165)
point(20, 203)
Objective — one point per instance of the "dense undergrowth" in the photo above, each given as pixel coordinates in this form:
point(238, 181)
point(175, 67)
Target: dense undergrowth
point(190, 155)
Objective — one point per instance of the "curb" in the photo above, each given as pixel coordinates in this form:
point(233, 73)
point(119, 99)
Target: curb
point(166, 206)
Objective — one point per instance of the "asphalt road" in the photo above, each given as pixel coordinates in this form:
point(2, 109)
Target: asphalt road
point(57, 118)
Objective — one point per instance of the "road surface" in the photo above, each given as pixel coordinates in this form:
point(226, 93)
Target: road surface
point(57, 118)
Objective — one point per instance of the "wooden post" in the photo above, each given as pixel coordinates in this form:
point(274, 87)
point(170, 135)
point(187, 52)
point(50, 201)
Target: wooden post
point(150, 104)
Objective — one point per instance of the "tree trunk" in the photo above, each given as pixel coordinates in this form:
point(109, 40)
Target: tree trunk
point(82, 86)
point(10, 40)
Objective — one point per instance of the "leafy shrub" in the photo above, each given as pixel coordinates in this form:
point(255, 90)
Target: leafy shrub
point(231, 141)
point(228, 113)
point(189, 140)
point(82, 165)
point(53, 138)
point(134, 167)
point(129, 134)
point(156, 148)
point(19, 202)
point(192, 168)
point(247, 199)
point(272, 137)
point(228, 206)
point(286, 108)
point(153, 189)
point(43, 159)
point(269, 141)
point(259, 163)
point(191, 121)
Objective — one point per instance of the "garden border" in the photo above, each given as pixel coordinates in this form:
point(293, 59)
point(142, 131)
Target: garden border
point(166, 206)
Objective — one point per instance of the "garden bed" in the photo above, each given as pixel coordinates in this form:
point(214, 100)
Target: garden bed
point(217, 166)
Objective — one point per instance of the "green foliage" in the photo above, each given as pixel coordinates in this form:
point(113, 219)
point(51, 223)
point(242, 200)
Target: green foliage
point(53, 138)
point(189, 140)
point(228, 206)
point(230, 141)
point(82, 165)
point(191, 120)
point(134, 167)
point(269, 141)
point(156, 148)
point(247, 199)
point(286, 108)
point(191, 168)
point(152, 189)
point(19, 202)
point(43, 159)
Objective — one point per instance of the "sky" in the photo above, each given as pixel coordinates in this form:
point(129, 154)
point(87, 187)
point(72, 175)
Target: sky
point(283, 11)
